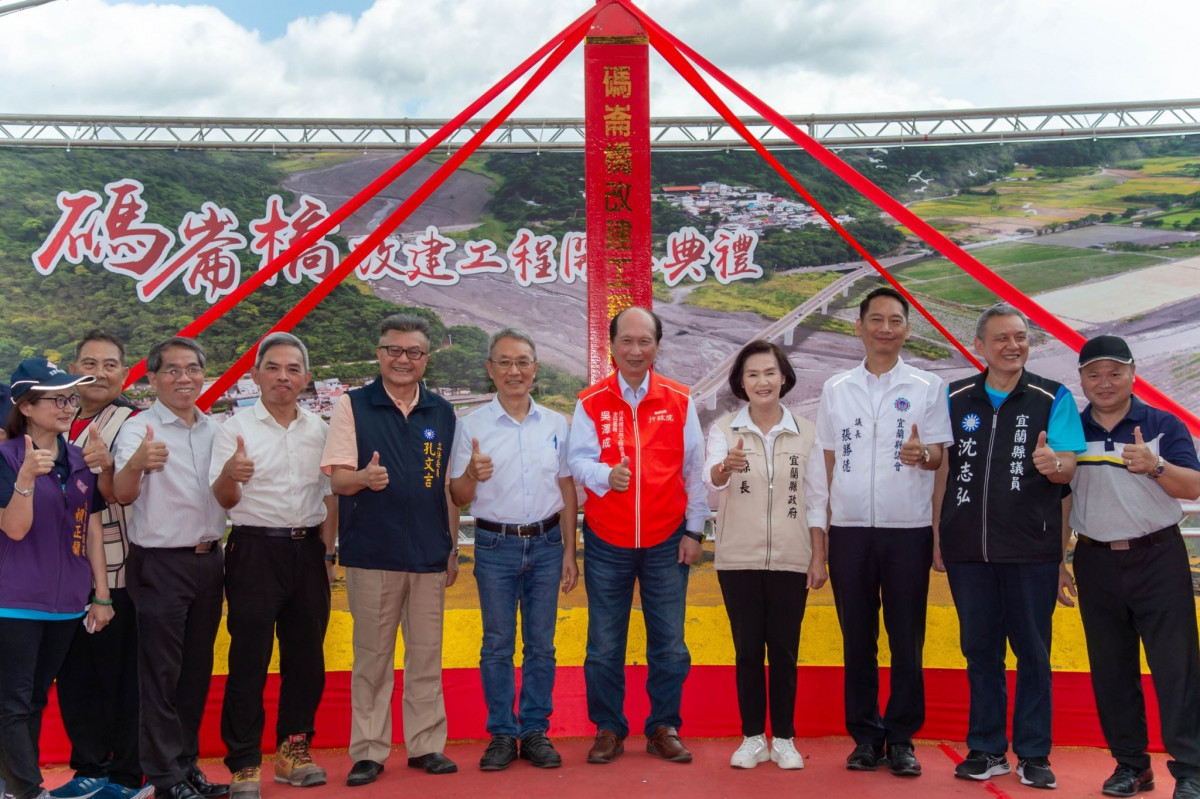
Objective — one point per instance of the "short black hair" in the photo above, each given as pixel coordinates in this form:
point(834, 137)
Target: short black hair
point(882, 291)
point(101, 335)
point(612, 325)
point(154, 359)
point(405, 323)
point(757, 347)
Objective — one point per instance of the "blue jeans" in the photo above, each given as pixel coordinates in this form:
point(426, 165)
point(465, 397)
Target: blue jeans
point(608, 574)
point(995, 602)
point(510, 570)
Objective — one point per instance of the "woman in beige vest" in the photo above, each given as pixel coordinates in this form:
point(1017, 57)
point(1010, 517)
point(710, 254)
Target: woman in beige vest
point(770, 546)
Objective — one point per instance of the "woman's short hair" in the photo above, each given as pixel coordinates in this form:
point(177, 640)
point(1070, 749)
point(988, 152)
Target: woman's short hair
point(754, 348)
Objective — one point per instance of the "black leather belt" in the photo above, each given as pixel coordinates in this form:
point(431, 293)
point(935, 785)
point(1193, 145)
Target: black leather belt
point(1149, 540)
point(203, 548)
point(294, 533)
point(520, 530)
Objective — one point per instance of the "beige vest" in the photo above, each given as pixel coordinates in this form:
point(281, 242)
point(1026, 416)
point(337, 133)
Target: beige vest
point(761, 523)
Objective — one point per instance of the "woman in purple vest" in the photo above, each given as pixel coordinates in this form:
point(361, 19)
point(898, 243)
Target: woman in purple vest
point(51, 554)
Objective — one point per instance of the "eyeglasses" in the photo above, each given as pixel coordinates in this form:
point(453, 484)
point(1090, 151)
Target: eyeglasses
point(62, 400)
point(504, 364)
point(174, 372)
point(413, 353)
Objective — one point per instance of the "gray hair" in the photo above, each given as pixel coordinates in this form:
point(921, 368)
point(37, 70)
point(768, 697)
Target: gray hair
point(405, 323)
point(154, 359)
point(520, 334)
point(999, 309)
point(277, 340)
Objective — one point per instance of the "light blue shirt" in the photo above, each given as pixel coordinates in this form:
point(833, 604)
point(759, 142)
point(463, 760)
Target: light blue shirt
point(528, 458)
point(593, 475)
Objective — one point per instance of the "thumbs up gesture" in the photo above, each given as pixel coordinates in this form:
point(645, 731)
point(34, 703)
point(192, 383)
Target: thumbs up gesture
point(150, 455)
point(480, 465)
point(619, 477)
point(1138, 457)
point(913, 452)
point(1044, 459)
point(95, 454)
point(37, 462)
point(376, 475)
point(735, 459)
point(240, 467)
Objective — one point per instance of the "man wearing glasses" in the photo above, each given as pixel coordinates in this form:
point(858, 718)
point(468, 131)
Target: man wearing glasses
point(386, 455)
point(175, 570)
point(524, 545)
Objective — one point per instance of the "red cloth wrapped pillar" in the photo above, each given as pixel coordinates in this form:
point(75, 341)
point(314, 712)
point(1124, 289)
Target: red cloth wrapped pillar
point(617, 113)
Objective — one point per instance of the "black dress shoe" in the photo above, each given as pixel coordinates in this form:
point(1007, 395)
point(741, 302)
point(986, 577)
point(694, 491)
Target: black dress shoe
point(1187, 788)
point(903, 761)
point(433, 763)
point(537, 749)
point(203, 787)
point(180, 790)
point(364, 772)
point(1128, 780)
point(865, 757)
point(500, 753)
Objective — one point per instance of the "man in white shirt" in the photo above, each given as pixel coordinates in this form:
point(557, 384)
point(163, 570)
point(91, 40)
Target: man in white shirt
point(174, 569)
point(510, 462)
point(279, 561)
point(882, 426)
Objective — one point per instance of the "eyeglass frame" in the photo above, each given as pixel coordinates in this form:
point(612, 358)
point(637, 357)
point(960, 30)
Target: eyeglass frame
point(506, 364)
point(175, 372)
point(395, 351)
point(61, 401)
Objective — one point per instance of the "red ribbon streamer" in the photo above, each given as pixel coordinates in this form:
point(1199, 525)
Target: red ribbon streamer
point(949, 249)
point(685, 69)
point(279, 262)
point(568, 42)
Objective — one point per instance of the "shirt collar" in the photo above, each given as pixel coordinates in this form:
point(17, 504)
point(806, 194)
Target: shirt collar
point(1137, 414)
point(167, 416)
point(742, 420)
point(263, 414)
point(893, 374)
point(644, 387)
point(535, 410)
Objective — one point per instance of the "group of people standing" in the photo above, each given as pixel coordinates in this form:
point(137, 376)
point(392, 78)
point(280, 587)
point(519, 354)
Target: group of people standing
point(899, 474)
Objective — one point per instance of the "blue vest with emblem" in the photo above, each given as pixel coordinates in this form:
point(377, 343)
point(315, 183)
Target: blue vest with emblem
point(404, 527)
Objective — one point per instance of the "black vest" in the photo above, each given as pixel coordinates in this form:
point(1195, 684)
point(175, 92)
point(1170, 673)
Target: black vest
point(404, 527)
point(997, 507)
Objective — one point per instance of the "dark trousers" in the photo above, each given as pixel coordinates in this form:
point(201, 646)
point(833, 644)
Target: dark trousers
point(1013, 603)
point(1142, 595)
point(609, 572)
point(98, 698)
point(765, 611)
point(867, 566)
point(274, 586)
point(31, 652)
point(178, 596)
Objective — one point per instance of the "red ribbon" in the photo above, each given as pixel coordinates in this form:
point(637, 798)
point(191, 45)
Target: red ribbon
point(568, 41)
point(927, 233)
point(279, 262)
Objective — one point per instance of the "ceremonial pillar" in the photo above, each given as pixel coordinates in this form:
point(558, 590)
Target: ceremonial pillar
point(617, 167)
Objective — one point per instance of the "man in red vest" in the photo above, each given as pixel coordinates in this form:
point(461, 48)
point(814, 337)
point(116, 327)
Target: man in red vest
point(637, 449)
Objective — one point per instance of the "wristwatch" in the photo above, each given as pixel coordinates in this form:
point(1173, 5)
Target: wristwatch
point(697, 537)
point(331, 557)
point(28, 492)
point(1158, 469)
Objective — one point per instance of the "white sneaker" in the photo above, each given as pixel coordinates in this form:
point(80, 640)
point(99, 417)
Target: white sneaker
point(752, 752)
point(783, 752)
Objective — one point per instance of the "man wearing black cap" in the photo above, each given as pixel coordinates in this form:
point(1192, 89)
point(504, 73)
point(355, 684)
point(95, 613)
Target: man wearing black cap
point(1132, 572)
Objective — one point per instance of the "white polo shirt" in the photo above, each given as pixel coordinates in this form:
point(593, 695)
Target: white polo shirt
point(528, 458)
point(864, 420)
point(288, 487)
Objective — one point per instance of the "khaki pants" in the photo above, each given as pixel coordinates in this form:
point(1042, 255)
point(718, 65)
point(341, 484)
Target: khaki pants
point(381, 601)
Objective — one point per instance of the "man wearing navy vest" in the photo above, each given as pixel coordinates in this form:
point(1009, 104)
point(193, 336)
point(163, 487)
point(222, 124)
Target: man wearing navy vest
point(1016, 436)
point(637, 448)
point(387, 451)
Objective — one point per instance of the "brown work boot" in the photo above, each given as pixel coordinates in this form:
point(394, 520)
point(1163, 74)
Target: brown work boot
point(606, 747)
point(246, 783)
point(295, 766)
point(665, 743)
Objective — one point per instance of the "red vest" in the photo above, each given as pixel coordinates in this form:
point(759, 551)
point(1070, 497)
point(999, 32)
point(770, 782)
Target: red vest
point(651, 436)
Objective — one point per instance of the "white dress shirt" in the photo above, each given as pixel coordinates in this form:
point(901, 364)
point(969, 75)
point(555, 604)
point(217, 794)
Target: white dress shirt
point(288, 487)
point(528, 458)
point(176, 506)
point(584, 456)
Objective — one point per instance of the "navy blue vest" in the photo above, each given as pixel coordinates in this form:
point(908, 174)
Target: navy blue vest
point(404, 527)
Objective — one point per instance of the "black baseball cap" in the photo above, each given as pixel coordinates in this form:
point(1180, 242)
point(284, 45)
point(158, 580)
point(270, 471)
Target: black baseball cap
point(1105, 348)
